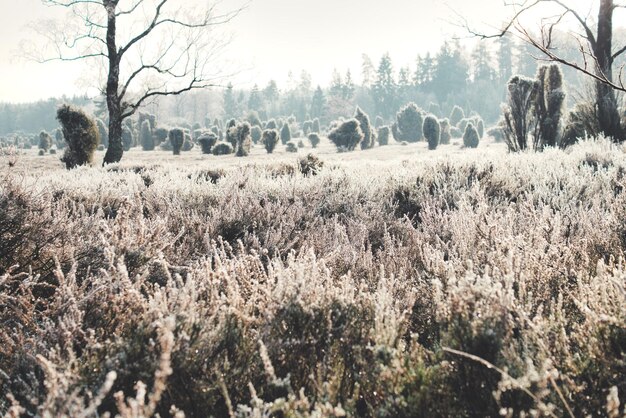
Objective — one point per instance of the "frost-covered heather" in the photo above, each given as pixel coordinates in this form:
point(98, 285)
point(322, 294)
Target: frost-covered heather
point(441, 284)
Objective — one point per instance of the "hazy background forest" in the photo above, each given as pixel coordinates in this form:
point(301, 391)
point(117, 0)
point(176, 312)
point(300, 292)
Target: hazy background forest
point(472, 75)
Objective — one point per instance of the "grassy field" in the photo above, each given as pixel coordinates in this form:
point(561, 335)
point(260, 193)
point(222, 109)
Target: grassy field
point(396, 281)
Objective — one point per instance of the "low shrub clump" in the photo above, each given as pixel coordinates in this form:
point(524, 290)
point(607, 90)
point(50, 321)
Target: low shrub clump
point(270, 139)
point(177, 138)
point(347, 135)
point(314, 139)
point(81, 136)
point(207, 141)
point(223, 148)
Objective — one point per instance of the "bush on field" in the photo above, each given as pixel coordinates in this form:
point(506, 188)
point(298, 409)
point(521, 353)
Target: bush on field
point(347, 136)
point(432, 131)
point(369, 135)
point(383, 135)
point(270, 139)
point(408, 124)
point(470, 137)
point(207, 141)
point(81, 136)
point(223, 148)
point(314, 139)
point(177, 138)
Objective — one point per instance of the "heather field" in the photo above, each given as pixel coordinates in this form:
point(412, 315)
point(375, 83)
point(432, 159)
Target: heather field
point(391, 282)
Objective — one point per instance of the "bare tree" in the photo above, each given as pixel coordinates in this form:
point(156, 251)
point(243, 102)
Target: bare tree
point(597, 54)
point(148, 48)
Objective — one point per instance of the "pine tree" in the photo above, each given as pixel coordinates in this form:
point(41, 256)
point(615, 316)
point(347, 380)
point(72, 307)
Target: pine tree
point(384, 89)
point(230, 104)
point(255, 102)
point(318, 102)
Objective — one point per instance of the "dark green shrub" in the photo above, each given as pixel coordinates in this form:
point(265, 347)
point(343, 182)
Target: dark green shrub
point(347, 136)
point(291, 146)
point(306, 127)
point(270, 139)
point(103, 131)
point(207, 141)
point(256, 133)
point(480, 127)
point(53, 151)
point(127, 138)
point(147, 140)
point(300, 144)
point(253, 119)
point(517, 112)
point(222, 148)
point(41, 152)
point(456, 115)
point(285, 134)
point(243, 140)
point(160, 135)
point(434, 109)
point(470, 137)
point(188, 143)
point(548, 106)
point(58, 138)
point(81, 136)
point(432, 131)
point(314, 139)
point(383, 135)
point(271, 124)
point(310, 165)
point(408, 125)
point(445, 131)
point(177, 138)
point(45, 141)
point(316, 126)
point(455, 132)
point(369, 136)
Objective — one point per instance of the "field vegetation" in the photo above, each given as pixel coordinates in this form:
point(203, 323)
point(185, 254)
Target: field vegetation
point(395, 281)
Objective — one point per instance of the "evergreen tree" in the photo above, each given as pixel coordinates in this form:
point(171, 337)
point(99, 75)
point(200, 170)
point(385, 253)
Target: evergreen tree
point(367, 71)
point(230, 104)
point(255, 102)
point(318, 102)
point(347, 89)
point(451, 71)
point(336, 85)
point(384, 89)
point(482, 67)
point(505, 58)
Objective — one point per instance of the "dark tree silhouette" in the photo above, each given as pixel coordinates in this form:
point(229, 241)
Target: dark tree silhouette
point(173, 52)
point(597, 53)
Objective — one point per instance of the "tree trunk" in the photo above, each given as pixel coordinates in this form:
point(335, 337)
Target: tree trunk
point(606, 102)
point(116, 150)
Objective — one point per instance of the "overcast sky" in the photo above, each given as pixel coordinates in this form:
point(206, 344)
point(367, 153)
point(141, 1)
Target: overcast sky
point(271, 37)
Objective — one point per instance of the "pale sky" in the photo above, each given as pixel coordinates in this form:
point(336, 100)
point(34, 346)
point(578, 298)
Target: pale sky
point(270, 38)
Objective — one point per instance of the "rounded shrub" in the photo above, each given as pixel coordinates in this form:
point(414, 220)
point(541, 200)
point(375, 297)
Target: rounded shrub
point(103, 131)
point(432, 131)
point(177, 138)
point(315, 128)
point(445, 135)
point(244, 140)
point(383, 135)
point(45, 141)
point(127, 138)
point(160, 135)
point(314, 139)
point(456, 115)
point(291, 146)
point(470, 137)
point(81, 136)
point(222, 148)
point(256, 133)
point(270, 139)
point(408, 125)
point(347, 135)
point(369, 136)
point(147, 139)
point(271, 124)
point(207, 141)
point(285, 134)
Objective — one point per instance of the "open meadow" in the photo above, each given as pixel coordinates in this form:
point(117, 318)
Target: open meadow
point(394, 281)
